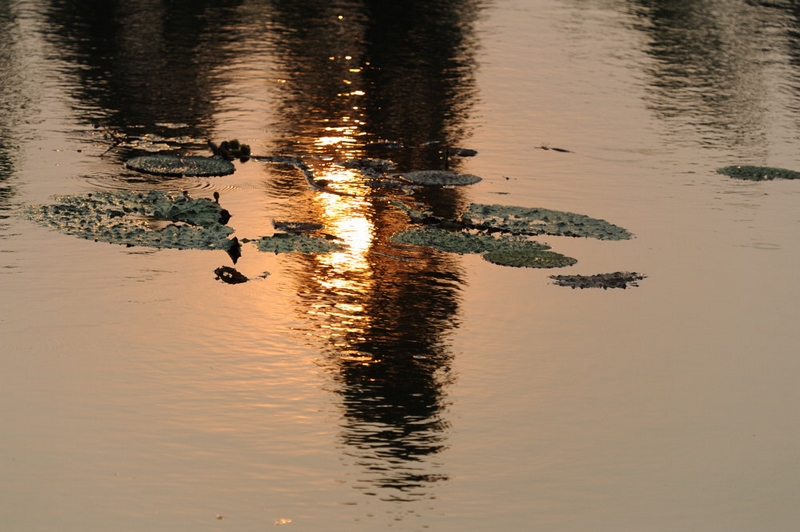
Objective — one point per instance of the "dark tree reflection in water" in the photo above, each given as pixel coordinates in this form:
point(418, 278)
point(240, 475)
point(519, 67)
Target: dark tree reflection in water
point(356, 79)
point(359, 76)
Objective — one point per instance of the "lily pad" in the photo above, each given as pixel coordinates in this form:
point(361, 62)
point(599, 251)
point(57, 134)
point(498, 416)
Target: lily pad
point(296, 243)
point(536, 221)
point(440, 178)
point(152, 219)
point(602, 280)
point(758, 173)
point(191, 166)
point(505, 251)
point(524, 257)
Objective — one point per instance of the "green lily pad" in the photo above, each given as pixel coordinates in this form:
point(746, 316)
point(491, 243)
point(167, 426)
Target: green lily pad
point(296, 243)
point(524, 257)
point(601, 280)
point(440, 178)
point(505, 251)
point(191, 166)
point(758, 173)
point(151, 219)
point(536, 221)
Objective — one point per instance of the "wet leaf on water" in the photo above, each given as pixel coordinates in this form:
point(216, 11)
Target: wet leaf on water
point(537, 221)
point(525, 257)
point(504, 251)
point(440, 178)
point(758, 173)
point(151, 219)
point(602, 280)
point(296, 243)
point(297, 227)
point(172, 166)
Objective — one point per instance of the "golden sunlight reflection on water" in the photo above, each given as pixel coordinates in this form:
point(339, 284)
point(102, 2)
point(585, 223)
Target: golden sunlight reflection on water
point(393, 386)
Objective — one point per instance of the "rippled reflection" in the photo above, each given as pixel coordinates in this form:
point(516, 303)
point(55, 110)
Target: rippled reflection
point(355, 74)
point(353, 79)
point(712, 74)
point(18, 99)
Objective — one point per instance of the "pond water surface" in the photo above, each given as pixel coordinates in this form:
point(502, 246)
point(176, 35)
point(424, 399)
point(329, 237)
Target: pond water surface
point(385, 386)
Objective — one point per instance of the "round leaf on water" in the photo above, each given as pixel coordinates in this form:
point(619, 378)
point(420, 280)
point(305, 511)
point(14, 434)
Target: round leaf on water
point(296, 243)
point(537, 221)
point(191, 166)
point(522, 257)
point(440, 178)
point(758, 173)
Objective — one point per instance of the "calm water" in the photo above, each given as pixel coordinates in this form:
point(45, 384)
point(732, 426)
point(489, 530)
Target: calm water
point(381, 387)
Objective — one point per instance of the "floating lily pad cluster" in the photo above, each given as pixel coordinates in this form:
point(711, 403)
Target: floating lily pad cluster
point(758, 173)
point(477, 232)
point(503, 250)
point(153, 219)
point(536, 221)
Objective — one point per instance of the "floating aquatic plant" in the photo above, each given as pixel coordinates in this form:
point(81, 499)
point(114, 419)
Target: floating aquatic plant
point(440, 178)
point(297, 227)
point(191, 166)
point(296, 243)
point(153, 219)
point(758, 173)
point(602, 280)
point(536, 221)
point(505, 251)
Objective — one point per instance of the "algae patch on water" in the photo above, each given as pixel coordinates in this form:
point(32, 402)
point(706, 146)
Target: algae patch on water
point(538, 221)
point(504, 251)
point(152, 219)
point(172, 166)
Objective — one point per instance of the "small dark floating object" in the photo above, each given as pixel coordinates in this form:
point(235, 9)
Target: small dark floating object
point(440, 178)
point(461, 152)
point(229, 275)
point(758, 173)
point(602, 280)
point(191, 166)
point(234, 249)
